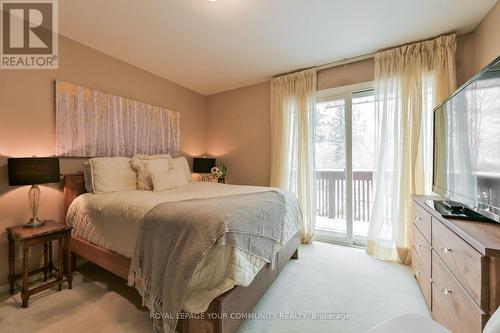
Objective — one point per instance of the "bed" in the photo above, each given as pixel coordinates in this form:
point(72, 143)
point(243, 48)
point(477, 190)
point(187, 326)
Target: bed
point(226, 280)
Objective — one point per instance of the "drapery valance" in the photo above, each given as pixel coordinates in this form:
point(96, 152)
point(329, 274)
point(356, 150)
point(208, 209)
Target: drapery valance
point(91, 123)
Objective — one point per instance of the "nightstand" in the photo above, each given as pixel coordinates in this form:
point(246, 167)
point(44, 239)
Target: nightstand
point(27, 237)
point(203, 178)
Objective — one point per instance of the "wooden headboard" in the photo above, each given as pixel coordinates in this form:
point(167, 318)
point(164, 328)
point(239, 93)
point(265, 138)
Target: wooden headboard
point(74, 185)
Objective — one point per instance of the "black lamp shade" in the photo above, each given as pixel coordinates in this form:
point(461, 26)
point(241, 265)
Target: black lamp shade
point(33, 170)
point(203, 164)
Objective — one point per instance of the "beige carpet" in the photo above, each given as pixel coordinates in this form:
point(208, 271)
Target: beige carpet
point(326, 279)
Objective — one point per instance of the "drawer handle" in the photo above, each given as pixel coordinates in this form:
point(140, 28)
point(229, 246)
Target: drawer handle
point(418, 245)
point(446, 291)
point(447, 249)
point(418, 219)
point(417, 274)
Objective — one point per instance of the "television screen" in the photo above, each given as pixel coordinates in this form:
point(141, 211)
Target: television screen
point(467, 144)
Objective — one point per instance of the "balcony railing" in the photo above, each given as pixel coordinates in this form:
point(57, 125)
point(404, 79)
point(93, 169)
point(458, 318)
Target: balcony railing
point(331, 199)
point(489, 189)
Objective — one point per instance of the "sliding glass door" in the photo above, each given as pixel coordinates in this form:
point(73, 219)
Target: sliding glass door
point(331, 169)
point(345, 153)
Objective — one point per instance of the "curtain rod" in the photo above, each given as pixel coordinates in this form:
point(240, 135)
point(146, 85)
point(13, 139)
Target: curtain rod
point(346, 61)
point(365, 56)
point(336, 63)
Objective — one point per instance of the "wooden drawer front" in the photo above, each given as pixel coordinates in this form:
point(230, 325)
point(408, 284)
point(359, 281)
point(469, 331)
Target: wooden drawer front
point(422, 248)
point(441, 314)
point(454, 297)
point(423, 278)
point(422, 220)
point(464, 261)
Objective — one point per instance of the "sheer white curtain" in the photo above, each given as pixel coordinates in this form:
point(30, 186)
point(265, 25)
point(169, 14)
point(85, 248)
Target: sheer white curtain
point(293, 102)
point(409, 82)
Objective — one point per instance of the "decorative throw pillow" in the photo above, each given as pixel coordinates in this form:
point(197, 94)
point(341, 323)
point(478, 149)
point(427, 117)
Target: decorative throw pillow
point(146, 164)
point(153, 157)
point(168, 180)
point(112, 174)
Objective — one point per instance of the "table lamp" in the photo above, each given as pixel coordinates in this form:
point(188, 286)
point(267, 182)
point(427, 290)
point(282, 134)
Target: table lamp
point(33, 171)
point(203, 166)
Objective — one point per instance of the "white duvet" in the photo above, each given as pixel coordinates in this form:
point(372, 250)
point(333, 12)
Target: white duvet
point(112, 221)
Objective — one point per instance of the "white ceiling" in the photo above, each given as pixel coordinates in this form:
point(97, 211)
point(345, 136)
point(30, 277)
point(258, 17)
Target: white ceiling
point(216, 46)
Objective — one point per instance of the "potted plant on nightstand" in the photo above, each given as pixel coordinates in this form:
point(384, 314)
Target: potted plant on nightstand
point(219, 173)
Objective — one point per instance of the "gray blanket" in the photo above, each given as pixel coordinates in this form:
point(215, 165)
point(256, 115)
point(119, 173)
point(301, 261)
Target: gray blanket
point(175, 235)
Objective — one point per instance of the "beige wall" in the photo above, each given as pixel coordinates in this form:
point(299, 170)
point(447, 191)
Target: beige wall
point(477, 49)
point(357, 72)
point(487, 39)
point(464, 58)
point(238, 130)
point(27, 120)
point(239, 133)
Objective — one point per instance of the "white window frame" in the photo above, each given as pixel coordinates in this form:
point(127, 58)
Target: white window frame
point(346, 93)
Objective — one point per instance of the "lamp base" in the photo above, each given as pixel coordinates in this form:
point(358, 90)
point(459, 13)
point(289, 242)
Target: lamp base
point(34, 223)
point(34, 199)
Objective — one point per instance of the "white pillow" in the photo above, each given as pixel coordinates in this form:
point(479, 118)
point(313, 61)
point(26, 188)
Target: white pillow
point(182, 164)
point(112, 174)
point(145, 167)
point(168, 180)
point(87, 177)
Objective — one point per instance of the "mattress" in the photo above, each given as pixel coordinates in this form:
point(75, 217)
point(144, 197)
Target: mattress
point(112, 221)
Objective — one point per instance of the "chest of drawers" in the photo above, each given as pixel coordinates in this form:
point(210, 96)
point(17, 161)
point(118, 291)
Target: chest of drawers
point(457, 266)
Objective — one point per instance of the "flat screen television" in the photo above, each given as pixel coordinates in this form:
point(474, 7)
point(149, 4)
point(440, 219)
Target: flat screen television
point(466, 170)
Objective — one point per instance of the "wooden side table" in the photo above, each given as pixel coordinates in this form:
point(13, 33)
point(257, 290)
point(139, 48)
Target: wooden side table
point(46, 234)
